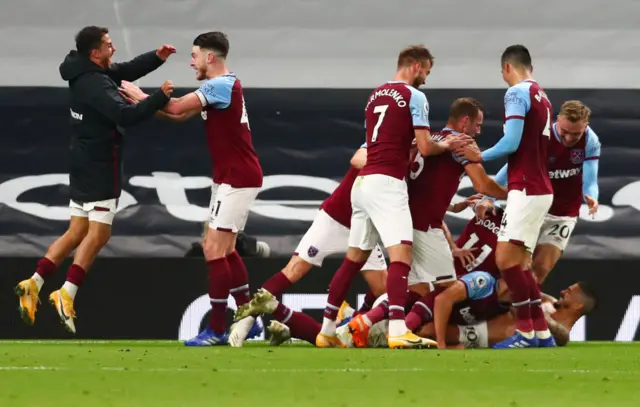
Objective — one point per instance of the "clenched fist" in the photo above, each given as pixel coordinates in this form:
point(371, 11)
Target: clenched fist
point(167, 88)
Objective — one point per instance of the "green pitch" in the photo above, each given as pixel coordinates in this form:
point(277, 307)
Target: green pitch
point(144, 373)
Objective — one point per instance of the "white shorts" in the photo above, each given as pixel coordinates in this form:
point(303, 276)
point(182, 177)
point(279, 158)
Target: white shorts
point(432, 258)
point(99, 211)
point(556, 230)
point(474, 336)
point(380, 212)
point(229, 207)
point(523, 218)
point(325, 237)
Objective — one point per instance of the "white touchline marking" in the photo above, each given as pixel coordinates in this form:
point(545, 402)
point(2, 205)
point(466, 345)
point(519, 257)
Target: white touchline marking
point(319, 370)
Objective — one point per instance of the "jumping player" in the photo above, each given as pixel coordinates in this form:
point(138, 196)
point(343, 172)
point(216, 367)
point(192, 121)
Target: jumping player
point(395, 114)
point(99, 119)
point(573, 156)
point(237, 177)
point(328, 234)
point(526, 139)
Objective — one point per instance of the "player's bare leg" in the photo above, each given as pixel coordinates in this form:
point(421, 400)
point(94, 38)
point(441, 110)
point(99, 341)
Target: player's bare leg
point(545, 258)
point(28, 290)
point(338, 288)
point(62, 300)
point(513, 260)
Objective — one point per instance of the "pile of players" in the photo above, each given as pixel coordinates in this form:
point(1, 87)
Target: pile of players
point(397, 191)
point(481, 290)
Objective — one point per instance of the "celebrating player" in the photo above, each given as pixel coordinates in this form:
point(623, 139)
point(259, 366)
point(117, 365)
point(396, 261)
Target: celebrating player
point(433, 181)
point(99, 118)
point(328, 234)
point(526, 138)
point(395, 114)
point(237, 177)
point(573, 153)
point(575, 301)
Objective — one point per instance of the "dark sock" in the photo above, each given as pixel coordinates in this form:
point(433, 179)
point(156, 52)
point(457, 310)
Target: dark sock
point(397, 289)
point(339, 287)
point(219, 283)
point(239, 279)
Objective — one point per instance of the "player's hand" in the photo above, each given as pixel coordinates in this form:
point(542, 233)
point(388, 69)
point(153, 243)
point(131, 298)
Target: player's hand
point(132, 91)
point(485, 206)
point(164, 51)
point(466, 256)
point(470, 152)
point(128, 98)
point(593, 205)
point(167, 88)
point(473, 200)
point(458, 141)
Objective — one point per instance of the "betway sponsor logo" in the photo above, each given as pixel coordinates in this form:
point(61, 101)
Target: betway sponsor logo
point(171, 189)
point(560, 174)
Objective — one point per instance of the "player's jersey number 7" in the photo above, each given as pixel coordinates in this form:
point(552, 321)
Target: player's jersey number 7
point(381, 110)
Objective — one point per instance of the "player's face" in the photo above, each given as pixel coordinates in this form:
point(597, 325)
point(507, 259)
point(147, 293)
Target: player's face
point(421, 71)
point(570, 133)
point(473, 127)
point(105, 52)
point(199, 62)
point(570, 297)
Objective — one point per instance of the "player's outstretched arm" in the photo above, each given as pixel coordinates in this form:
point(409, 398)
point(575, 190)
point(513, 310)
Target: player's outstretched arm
point(141, 65)
point(178, 118)
point(101, 95)
point(455, 293)
point(482, 183)
point(560, 333)
point(517, 103)
point(215, 92)
point(359, 159)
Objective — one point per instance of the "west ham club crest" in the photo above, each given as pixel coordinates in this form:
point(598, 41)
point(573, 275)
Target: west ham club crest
point(312, 251)
point(577, 156)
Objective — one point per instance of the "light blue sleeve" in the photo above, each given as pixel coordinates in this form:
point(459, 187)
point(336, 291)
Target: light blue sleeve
point(480, 284)
point(364, 145)
point(419, 107)
point(517, 103)
point(217, 91)
point(590, 165)
point(501, 176)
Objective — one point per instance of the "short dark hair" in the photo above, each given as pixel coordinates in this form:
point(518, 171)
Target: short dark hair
point(517, 55)
point(215, 41)
point(589, 297)
point(90, 38)
point(465, 107)
point(414, 53)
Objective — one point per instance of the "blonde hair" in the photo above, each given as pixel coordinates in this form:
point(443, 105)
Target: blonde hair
point(575, 111)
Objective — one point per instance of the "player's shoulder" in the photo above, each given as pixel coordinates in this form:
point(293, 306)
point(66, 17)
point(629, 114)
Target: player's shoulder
point(416, 94)
point(521, 88)
point(222, 81)
point(591, 137)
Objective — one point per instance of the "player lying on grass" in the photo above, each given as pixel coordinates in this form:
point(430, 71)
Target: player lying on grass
point(561, 314)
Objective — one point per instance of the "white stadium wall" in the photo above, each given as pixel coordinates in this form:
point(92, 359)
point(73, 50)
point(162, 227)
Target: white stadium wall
point(338, 44)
